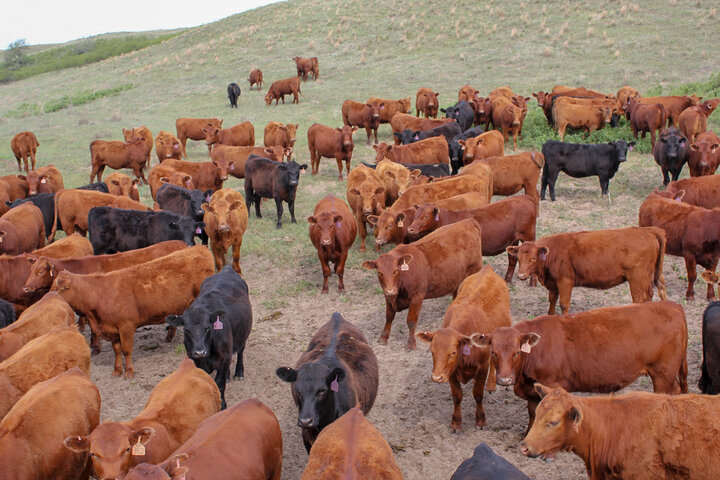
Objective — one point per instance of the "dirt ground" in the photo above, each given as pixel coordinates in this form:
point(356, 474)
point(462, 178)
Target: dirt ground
point(411, 411)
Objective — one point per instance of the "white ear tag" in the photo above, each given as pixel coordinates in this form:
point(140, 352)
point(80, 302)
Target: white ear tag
point(525, 348)
point(51, 274)
point(400, 224)
point(43, 180)
point(138, 449)
point(404, 267)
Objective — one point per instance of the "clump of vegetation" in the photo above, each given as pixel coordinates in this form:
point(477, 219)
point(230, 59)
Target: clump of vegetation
point(87, 96)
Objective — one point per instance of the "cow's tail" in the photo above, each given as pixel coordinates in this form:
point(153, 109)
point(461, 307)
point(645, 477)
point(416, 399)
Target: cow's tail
point(663, 114)
point(682, 374)
point(658, 277)
point(51, 237)
point(538, 160)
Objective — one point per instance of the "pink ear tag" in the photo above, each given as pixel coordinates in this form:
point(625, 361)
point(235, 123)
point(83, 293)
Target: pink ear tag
point(525, 348)
point(232, 167)
point(207, 198)
point(218, 324)
point(334, 385)
point(630, 148)
point(466, 349)
point(437, 217)
point(337, 224)
point(400, 224)
point(404, 267)
point(44, 180)
point(198, 230)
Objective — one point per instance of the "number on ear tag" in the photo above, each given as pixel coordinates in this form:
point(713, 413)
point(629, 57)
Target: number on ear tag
point(525, 348)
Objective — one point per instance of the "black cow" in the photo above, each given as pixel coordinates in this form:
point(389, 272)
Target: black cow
point(97, 186)
point(487, 465)
point(182, 201)
point(671, 153)
point(46, 203)
point(114, 230)
point(337, 371)
point(710, 370)
point(462, 112)
point(449, 131)
point(233, 94)
point(456, 152)
point(217, 324)
point(435, 170)
point(269, 179)
point(7, 313)
point(582, 160)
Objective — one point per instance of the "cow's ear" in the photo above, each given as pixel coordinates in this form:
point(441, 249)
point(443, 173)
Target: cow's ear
point(3, 233)
point(173, 468)
point(220, 122)
point(141, 436)
point(481, 339)
point(268, 150)
point(400, 217)
point(709, 277)
point(425, 336)
point(462, 143)
point(354, 129)
point(395, 134)
point(379, 190)
point(443, 110)
point(286, 374)
point(336, 376)
point(575, 416)
point(77, 444)
point(631, 144)
point(206, 207)
point(303, 167)
point(390, 174)
point(115, 182)
point(370, 265)
point(22, 177)
point(512, 250)
point(542, 390)
point(531, 338)
point(373, 219)
point(235, 205)
point(31, 259)
point(406, 259)
point(135, 183)
point(415, 173)
point(175, 320)
point(693, 147)
point(543, 253)
point(164, 179)
point(312, 220)
point(338, 129)
point(204, 130)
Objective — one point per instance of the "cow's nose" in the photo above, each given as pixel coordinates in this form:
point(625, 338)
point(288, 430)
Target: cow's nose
point(437, 378)
point(325, 242)
point(223, 227)
point(411, 230)
point(390, 292)
point(200, 353)
point(305, 422)
point(504, 381)
point(367, 210)
point(522, 276)
point(26, 290)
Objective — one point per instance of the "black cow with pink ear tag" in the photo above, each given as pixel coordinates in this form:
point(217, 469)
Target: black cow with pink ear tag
point(217, 324)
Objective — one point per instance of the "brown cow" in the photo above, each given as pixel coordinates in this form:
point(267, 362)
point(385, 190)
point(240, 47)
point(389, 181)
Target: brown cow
point(507, 222)
point(49, 313)
point(43, 180)
point(396, 177)
point(4, 197)
point(115, 313)
point(226, 219)
point(31, 434)
point(351, 447)
point(161, 174)
point(244, 438)
point(588, 118)
point(482, 304)
point(511, 173)
point(142, 132)
point(205, 175)
point(623, 95)
point(700, 191)
point(600, 350)
point(467, 93)
point(119, 155)
point(488, 144)
point(478, 180)
point(18, 186)
point(427, 152)
point(646, 118)
point(307, 66)
point(72, 208)
point(22, 229)
point(255, 78)
point(362, 115)
point(278, 134)
point(175, 409)
point(597, 259)
point(692, 233)
point(693, 120)
point(391, 107)
point(674, 105)
point(549, 98)
point(192, 128)
point(366, 196)
point(332, 233)
point(240, 135)
point(431, 267)
point(391, 226)
point(426, 102)
point(508, 117)
point(231, 160)
point(703, 156)
point(402, 121)
point(121, 185)
point(24, 145)
point(167, 145)
point(328, 142)
point(41, 359)
point(645, 436)
point(279, 88)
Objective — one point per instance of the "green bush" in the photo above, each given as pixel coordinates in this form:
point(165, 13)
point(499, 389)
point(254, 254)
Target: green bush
point(84, 97)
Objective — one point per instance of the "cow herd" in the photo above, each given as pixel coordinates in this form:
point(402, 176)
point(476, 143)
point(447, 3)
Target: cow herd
point(430, 193)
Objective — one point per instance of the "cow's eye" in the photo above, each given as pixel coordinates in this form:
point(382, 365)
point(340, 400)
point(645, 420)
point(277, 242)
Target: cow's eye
point(532, 260)
point(322, 392)
point(553, 424)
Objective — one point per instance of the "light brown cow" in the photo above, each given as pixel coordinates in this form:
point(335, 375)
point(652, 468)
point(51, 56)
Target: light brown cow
point(479, 180)
point(43, 180)
point(22, 229)
point(488, 144)
point(231, 160)
point(589, 118)
point(142, 132)
point(278, 134)
point(623, 95)
point(24, 146)
point(426, 102)
point(396, 177)
point(167, 145)
point(366, 196)
point(161, 174)
point(226, 219)
point(279, 88)
point(192, 128)
point(255, 78)
point(391, 226)
point(511, 173)
point(18, 186)
point(693, 120)
point(391, 107)
point(118, 155)
point(205, 175)
point(121, 185)
point(508, 117)
point(427, 152)
point(240, 135)
point(402, 121)
point(467, 93)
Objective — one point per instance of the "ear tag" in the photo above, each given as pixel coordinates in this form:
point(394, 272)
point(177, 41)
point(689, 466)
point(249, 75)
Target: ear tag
point(232, 167)
point(417, 137)
point(51, 274)
point(437, 217)
point(334, 385)
point(44, 180)
point(218, 324)
point(207, 198)
point(337, 224)
point(135, 187)
point(198, 230)
point(630, 148)
point(138, 449)
point(525, 348)
point(466, 349)
point(404, 267)
point(400, 224)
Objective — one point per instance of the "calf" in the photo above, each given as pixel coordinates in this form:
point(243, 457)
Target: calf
point(176, 407)
point(467, 93)
point(348, 438)
point(704, 154)
point(646, 118)
point(426, 103)
point(226, 218)
point(121, 185)
point(391, 107)
point(249, 426)
point(330, 142)
point(332, 233)
point(623, 95)
point(396, 178)
point(429, 151)
point(671, 153)
point(462, 112)
point(599, 351)
point(24, 146)
point(362, 115)
point(280, 135)
point(22, 229)
point(582, 160)
point(456, 150)
point(192, 128)
point(487, 465)
point(240, 135)
point(673, 104)
point(114, 230)
point(217, 325)
point(337, 372)
point(205, 175)
point(600, 259)
point(642, 435)
point(709, 382)
point(167, 145)
point(511, 173)
point(231, 160)
point(366, 196)
point(117, 155)
point(693, 120)
point(186, 203)
point(268, 179)
point(255, 78)
point(482, 304)
point(144, 133)
point(431, 267)
point(449, 131)
point(488, 144)
point(162, 174)
point(579, 116)
point(68, 404)
point(508, 117)
point(43, 180)
point(279, 88)
point(18, 186)
point(402, 121)
point(233, 91)
point(115, 312)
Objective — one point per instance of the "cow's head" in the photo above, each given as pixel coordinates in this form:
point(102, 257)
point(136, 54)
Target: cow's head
point(469, 148)
point(315, 385)
point(43, 271)
point(694, 100)
point(110, 448)
point(518, 114)
point(212, 135)
point(372, 196)
point(427, 218)
point(673, 143)
point(291, 172)
point(447, 347)
point(184, 228)
point(606, 113)
point(531, 258)
point(180, 179)
point(324, 227)
point(509, 349)
point(221, 215)
point(540, 97)
point(621, 148)
point(404, 105)
point(346, 132)
point(520, 101)
point(558, 419)
point(200, 328)
point(709, 106)
point(407, 136)
point(291, 132)
point(37, 183)
point(375, 110)
point(382, 150)
point(121, 185)
point(197, 199)
point(224, 166)
point(389, 227)
point(390, 269)
point(129, 134)
point(173, 470)
point(268, 99)
point(705, 153)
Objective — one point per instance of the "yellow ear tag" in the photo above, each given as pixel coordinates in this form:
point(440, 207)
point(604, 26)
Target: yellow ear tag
point(525, 348)
point(138, 449)
point(400, 223)
point(404, 267)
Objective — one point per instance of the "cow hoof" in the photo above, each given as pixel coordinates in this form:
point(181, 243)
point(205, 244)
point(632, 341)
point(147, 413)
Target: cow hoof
point(116, 373)
point(455, 429)
point(95, 351)
point(278, 226)
point(382, 341)
point(325, 290)
point(479, 424)
point(411, 346)
point(690, 298)
point(129, 374)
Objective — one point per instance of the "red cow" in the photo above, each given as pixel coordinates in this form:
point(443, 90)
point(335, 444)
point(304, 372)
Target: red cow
point(22, 229)
point(226, 219)
point(192, 128)
point(693, 120)
point(255, 78)
point(161, 174)
point(488, 144)
point(24, 145)
point(674, 105)
point(364, 115)
point(240, 135)
point(18, 186)
point(117, 155)
point(279, 88)
point(122, 185)
point(700, 191)
point(205, 175)
point(426, 102)
point(366, 196)
point(280, 135)
point(401, 121)
point(703, 156)
point(511, 173)
point(590, 118)
point(334, 143)
point(391, 107)
point(646, 118)
point(508, 117)
point(142, 132)
point(467, 93)
point(396, 177)
point(391, 226)
point(307, 66)
point(231, 160)
point(44, 180)
point(167, 145)
point(623, 95)
point(427, 152)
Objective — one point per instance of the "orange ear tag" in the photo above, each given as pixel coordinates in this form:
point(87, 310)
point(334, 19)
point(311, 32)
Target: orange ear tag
point(525, 348)
point(138, 449)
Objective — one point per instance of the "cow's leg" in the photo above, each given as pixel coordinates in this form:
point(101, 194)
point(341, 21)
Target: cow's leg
point(127, 338)
point(325, 270)
point(551, 182)
point(375, 134)
point(666, 177)
point(142, 173)
point(218, 254)
point(32, 157)
point(339, 164)
point(362, 230)
point(239, 364)
point(710, 288)
point(512, 261)
point(19, 161)
point(389, 317)
point(478, 388)
point(340, 271)
point(183, 141)
point(221, 379)
point(171, 331)
point(543, 183)
point(531, 406)
point(491, 380)
point(347, 166)
point(100, 170)
point(604, 185)
point(291, 207)
point(256, 199)
point(691, 267)
point(457, 396)
point(676, 174)
point(117, 371)
point(565, 287)
point(412, 318)
point(236, 256)
point(552, 298)
point(279, 209)
point(368, 130)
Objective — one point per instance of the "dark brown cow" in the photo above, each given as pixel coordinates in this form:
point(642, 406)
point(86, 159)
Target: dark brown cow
point(401, 121)
point(192, 128)
point(117, 155)
point(366, 196)
point(504, 223)
point(338, 448)
point(307, 66)
point(278, 134)
point(391, 226)
point(68, 404)
point(167, 145)
point(674, 105)
point(20, 231)
point(24, 145)
point(508, 117)
point(482, 304)
point(240, 135)
point(590, 118)
point(175, 409)
point(226, 219)
point(231, 160)
point(426, 102)
point(279, 88)
point(328, 142)
point(426, 152)
point(511, 173)
point(601, 259)
point(362, 115)
point(700, 191)
point(161, 174)
point(646, 118)
point(205, 175)
point(121, 185)
point(693, 120)
point(704, 156)
point(255, 78)
point(599, 351)
point(142, 132)
point(391, 107)
point(488, 144)
point(115, 312)
point(431, 267)
point(332, 233)
point(43, 180)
